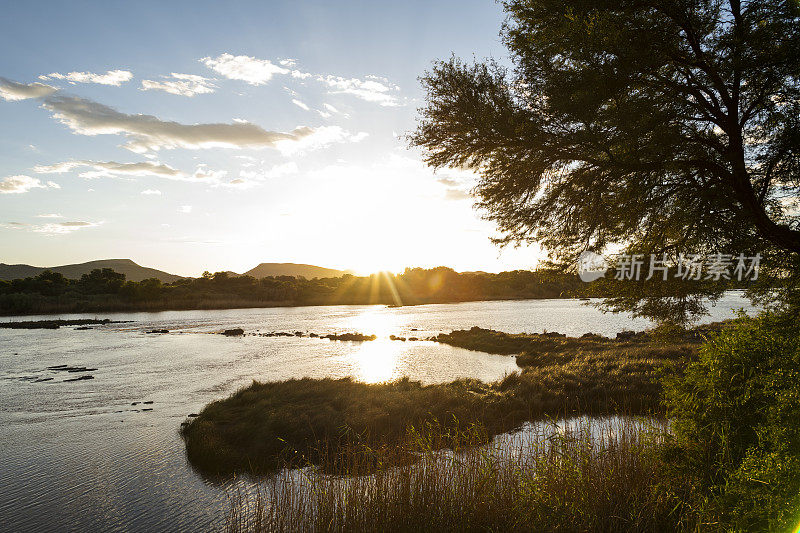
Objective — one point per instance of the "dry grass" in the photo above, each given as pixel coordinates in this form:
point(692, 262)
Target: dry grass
point(263, 426)
point(606, 478)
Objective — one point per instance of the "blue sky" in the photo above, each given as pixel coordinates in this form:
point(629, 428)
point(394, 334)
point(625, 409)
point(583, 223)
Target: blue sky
point(195, 136)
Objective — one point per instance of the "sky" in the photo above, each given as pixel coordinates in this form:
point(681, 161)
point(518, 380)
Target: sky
point(193, 136)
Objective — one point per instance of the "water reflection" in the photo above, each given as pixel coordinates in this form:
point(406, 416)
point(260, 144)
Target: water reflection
point(376, 361)
point(378, 321)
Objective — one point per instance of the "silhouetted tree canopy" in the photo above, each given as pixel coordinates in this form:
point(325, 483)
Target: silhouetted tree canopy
point(659, 126)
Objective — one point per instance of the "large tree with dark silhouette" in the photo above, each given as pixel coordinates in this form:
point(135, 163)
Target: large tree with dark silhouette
point(659, 126)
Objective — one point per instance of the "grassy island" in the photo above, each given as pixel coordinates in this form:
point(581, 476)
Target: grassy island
point(267, 424)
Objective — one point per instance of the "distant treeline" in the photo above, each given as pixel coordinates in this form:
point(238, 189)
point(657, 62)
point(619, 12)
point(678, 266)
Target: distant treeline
point(107, 290)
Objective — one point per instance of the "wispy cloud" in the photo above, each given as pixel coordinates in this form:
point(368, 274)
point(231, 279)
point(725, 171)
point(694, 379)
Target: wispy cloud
point(49, 215)
point(300, 104)
point(13, 91)
point(147, 132)
point(186, 209)
point(322, 136)
point(180, 84)
point(112, 77)
point(372, 88)
point(21, 184)
point(455, 189)
point(113, 169)
point(245, 68)
point(151, 192)
point(255, 71)
point(54, 228)
point(63, 227)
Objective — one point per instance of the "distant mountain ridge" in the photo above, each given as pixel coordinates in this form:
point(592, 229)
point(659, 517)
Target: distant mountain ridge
point(294, 269)
point(132, 271)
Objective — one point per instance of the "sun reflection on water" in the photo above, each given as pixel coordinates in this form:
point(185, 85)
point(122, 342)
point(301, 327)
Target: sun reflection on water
point(378, 321)
point(376, 361)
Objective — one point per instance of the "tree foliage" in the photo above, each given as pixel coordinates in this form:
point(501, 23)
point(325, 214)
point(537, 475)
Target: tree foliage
point(669, 126)
point(106, 290)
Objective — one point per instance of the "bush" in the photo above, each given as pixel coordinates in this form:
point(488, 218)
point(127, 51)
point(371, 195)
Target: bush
point(736, 418)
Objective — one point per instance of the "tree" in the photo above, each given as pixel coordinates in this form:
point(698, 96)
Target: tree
point(659, 126)
point(101, 281)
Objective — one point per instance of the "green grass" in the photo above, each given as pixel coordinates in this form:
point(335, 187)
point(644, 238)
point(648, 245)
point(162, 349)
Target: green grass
point(266, 425)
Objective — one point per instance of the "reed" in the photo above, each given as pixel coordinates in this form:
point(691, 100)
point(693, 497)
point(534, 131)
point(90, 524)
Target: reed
point(586, 475)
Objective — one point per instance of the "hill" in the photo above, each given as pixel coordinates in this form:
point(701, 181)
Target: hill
point(132, 271)
point(293, 269)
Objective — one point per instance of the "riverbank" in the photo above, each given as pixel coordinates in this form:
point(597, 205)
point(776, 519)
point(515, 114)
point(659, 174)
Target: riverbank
point(105, 290)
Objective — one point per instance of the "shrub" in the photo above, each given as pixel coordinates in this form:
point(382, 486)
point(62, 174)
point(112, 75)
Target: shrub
point(736, 418)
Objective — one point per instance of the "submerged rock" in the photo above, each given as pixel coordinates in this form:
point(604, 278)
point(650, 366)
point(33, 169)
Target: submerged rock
point(81, 378)
point(358, 337)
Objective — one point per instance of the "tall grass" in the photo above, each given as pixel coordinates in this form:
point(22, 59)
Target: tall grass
point(605, 475)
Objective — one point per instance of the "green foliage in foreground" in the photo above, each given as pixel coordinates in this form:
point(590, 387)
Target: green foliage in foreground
point(737, 424)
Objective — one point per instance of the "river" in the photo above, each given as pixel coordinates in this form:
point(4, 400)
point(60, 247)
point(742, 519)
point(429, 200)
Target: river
point(93, 455)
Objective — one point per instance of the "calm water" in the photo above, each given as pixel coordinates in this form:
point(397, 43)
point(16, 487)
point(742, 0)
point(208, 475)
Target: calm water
point(77, 455)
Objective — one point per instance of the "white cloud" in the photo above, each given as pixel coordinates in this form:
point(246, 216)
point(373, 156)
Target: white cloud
point(204, 173)
point(259, 71)
point(112, 77)
point(13, 91)
point(180, 84)
point(147, 132)
point(300, 104)
point(53, 228)
point(151, 192)
point(253, 71)
point(49, 215)
point(371, 88)
point(20, 184)
point(59, 228)
point(112, 169)
point(322, 136)
point(185, 209)
point(329, 111)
